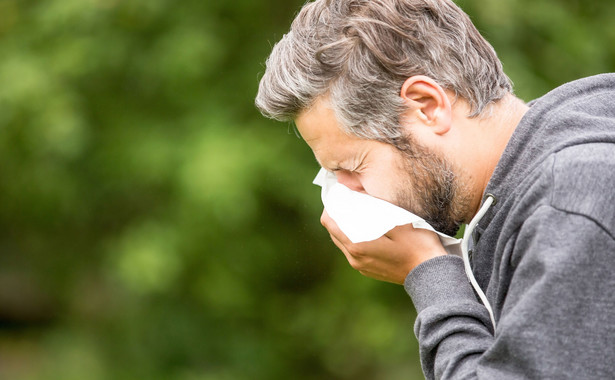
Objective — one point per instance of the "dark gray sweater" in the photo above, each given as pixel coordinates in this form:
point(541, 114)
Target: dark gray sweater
point(544, 254)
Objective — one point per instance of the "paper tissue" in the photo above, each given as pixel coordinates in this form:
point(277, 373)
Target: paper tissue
point(362, 217)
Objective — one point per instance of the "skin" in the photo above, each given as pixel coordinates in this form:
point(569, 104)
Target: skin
point(471, 147)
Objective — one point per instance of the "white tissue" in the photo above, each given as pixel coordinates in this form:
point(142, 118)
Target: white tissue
point(362, 217)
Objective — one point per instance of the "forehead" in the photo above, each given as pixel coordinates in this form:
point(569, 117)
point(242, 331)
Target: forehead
point(318, 121)
point(322, 132)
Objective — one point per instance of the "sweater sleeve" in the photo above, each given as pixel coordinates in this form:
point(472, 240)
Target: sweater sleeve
point(557, 318)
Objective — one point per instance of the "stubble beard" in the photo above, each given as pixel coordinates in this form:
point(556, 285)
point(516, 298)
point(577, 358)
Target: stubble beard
point(431, 188)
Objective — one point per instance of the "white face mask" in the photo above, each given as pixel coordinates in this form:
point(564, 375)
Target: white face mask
point(362, 217)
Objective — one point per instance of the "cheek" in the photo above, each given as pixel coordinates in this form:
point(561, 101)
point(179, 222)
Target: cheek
point(382, 186)
point(384, 177)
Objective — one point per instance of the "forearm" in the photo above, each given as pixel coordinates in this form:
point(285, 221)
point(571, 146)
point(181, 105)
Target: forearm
point(452, 326)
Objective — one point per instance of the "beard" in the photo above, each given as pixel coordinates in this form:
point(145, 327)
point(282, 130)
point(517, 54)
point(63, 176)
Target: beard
point(431, 188)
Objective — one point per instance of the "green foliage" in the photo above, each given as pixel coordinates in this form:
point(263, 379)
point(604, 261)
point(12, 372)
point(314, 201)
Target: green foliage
point(154, 226)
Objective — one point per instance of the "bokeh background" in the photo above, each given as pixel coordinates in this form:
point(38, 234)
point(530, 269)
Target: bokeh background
point(154, 226)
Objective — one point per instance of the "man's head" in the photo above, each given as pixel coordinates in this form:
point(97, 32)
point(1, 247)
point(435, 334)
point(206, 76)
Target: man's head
point(355, 74)
point(358, 53)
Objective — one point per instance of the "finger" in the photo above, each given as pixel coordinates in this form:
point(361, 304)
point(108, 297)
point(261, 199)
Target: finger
point(333, 228)
point(361, 262)
point(361, 256)
point(342, 248)
point(422, 239)
point(335, 232)
point(342, 242)
point(341, 237)
point(351, 250)
point(400, 230)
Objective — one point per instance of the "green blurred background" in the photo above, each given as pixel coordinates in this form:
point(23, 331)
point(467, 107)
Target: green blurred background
point(154, 226)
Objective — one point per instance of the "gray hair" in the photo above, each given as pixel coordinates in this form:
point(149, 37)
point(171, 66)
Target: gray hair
point(360, 52)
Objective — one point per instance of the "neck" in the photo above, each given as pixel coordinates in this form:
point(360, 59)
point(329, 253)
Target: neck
point(485, 142)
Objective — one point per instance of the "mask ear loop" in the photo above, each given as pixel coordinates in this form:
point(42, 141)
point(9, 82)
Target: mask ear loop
point(489, 201)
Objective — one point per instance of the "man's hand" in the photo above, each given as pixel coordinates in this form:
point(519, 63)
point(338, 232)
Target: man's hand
point(391, 257)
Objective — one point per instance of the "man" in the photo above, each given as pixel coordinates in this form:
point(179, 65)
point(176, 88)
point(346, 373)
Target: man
point(405, 101)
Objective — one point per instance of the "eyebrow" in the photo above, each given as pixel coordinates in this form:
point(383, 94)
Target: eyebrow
point(335, 167)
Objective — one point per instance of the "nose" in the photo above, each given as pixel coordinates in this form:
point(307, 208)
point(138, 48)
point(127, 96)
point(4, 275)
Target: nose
point(350, 180)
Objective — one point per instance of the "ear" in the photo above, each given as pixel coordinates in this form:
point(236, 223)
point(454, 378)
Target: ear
point(427, 103)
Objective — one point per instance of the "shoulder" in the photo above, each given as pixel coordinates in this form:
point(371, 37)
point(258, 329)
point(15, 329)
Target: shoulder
point(584, 182)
